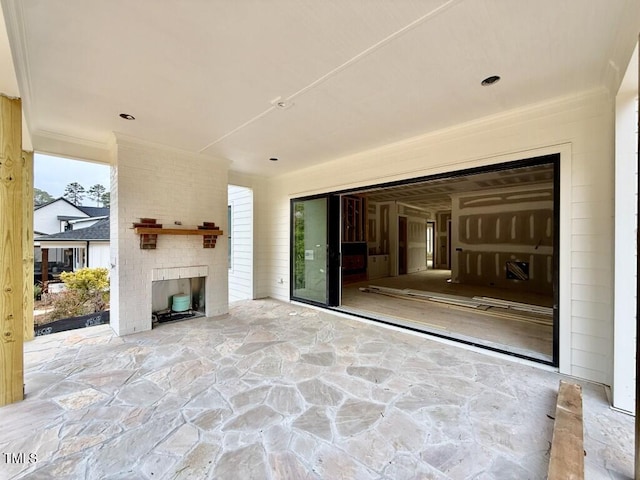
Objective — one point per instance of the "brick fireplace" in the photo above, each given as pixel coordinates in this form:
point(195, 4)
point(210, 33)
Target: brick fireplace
point(179, 190)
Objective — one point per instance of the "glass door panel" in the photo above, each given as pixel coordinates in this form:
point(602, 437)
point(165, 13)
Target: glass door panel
point(309, 249)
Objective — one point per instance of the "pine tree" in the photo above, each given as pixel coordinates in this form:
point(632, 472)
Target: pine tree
point(74, 192)
point(96, 193)
point(106, 199)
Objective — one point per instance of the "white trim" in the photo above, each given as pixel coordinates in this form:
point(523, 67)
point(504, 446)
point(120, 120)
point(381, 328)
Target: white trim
point(564, 340)
point(67, 146)
point(176, 273)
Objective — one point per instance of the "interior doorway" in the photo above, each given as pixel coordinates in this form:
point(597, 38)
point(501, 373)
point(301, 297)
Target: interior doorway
point(402, 245)
point(431, 240)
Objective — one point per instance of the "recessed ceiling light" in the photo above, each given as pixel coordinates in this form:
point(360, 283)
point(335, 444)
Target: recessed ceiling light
point(284, 104)
point(490, 80)
point(127, 116)
point(273, 159)
point(281, 103)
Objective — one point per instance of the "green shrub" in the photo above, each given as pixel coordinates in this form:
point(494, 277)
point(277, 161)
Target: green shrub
point(87, 280)
point(69, 304)
point(87, 292)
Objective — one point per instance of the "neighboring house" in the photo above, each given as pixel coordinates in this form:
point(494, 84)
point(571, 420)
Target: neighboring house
point(74, 236)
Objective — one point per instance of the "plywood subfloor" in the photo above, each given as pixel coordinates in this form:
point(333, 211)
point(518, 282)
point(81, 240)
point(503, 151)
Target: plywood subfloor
point(530, 338)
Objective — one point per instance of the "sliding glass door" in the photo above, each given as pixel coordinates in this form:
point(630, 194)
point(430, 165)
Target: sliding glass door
point(314, 255)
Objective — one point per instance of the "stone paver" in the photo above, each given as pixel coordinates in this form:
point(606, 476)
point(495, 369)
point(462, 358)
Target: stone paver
point(279, 391)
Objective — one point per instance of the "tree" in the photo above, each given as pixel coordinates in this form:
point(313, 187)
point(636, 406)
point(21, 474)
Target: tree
point(106, 199)
point(96, 192)
point(40, 197)
point(74, 192)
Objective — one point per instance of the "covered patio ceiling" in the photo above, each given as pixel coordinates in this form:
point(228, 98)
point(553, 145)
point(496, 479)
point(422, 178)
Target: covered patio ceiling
point(302, 81)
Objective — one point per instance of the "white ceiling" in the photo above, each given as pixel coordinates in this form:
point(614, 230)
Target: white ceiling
point(201, 75)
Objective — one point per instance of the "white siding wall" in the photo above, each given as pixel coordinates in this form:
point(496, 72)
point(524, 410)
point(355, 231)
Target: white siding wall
point(262, 246)
point(45, 219)
point(168, 185)
point(241, 271)
point(99, 256)
point(579, 127)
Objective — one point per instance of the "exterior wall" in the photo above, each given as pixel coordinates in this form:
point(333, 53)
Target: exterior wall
point(241, 268)
point(45, 219)
point(170, 185)
point(580, 128)
point(99, 255)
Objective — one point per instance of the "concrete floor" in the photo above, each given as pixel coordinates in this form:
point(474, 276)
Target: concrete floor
point(530, 335)
point(280, 391)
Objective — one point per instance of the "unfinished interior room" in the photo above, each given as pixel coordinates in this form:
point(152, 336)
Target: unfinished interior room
point(406, 229)
point(470, 256)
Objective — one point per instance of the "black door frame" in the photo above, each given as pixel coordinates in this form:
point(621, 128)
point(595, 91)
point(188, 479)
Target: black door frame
point(333, 280)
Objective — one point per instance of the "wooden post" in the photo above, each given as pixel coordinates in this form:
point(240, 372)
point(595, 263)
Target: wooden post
point(27, 244)
point(637, 422)
point(11, 276)
point(45, 268)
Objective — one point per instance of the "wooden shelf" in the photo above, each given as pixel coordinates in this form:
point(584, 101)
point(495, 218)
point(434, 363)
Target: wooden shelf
point(175, 231)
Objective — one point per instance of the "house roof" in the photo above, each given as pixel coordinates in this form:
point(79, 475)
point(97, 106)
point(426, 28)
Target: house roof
point(55, 200)
point(87, 211)
point(303, 81)
point(98, 231)
point(95, 211)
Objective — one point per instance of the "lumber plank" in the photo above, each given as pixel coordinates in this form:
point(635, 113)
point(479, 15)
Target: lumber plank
point(501, 313)
point(525, 307)
point(439, 297)
point(567, 445)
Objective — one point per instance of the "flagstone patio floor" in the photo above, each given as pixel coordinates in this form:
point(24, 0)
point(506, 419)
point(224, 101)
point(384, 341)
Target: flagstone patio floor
point(279, 391)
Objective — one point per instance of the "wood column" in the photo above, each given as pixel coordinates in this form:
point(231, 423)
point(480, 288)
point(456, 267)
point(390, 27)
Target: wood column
point(45, 269)
point(11, 230)
point(637, 421)
point(27, 244)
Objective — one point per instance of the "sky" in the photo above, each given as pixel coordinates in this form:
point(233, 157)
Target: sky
point(53, 174)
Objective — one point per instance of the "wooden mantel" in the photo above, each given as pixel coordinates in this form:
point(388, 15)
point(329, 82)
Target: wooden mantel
point(149, 229)
point(175, 231)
